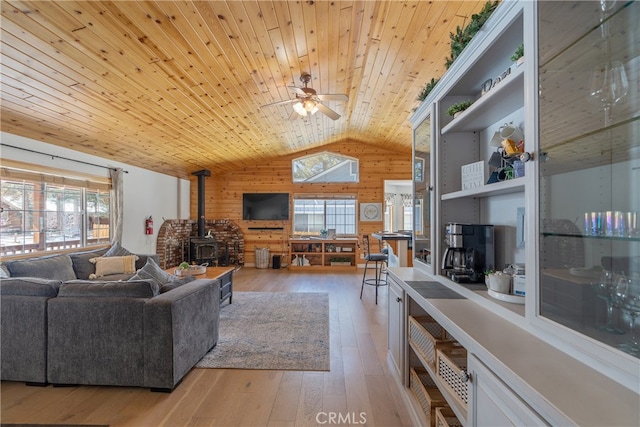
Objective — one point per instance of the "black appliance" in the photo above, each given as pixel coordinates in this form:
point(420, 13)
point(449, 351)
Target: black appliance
point(470, 252)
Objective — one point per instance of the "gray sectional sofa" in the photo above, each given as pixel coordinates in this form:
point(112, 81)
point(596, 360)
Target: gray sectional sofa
point(143, 328)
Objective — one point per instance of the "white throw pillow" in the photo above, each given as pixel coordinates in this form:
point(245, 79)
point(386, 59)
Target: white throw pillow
point(114, 265)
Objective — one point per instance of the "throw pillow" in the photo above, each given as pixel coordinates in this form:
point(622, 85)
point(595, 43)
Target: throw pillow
point(117, 250)
point(152, 270)
point(114, 265)
point(82, 264)
point(4, 273)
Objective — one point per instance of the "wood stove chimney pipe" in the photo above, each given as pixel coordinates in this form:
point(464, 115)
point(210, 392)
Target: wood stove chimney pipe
point(201, 176)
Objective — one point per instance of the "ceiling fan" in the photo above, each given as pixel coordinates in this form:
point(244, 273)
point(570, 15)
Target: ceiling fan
point(307, 101)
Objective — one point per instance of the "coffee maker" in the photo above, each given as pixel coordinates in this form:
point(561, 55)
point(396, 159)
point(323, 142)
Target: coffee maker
point(469, 253)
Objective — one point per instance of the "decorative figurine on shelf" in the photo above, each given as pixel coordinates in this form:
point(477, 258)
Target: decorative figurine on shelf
point(305, 261)
point(295, 260)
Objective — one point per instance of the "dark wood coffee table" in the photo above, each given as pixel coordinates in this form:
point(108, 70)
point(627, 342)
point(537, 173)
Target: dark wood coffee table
point(225, 274)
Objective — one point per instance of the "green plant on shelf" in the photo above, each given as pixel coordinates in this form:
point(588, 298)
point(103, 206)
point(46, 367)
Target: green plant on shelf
point(427, 89)
point(458, 107)
point(519, 53)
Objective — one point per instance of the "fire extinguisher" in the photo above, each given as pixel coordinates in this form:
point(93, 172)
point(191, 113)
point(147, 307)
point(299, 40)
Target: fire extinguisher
point(148, 226)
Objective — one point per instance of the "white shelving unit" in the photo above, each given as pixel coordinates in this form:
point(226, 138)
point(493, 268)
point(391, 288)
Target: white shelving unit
point(581, 149)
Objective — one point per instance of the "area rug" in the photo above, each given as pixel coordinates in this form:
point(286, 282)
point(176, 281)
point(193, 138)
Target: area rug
point(273, 330)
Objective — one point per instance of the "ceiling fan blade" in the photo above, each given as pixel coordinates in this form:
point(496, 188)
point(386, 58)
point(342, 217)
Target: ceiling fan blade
point(328, 111)
point(298, 90)
point(294, 116)
point(277, 103)
point(333, 97)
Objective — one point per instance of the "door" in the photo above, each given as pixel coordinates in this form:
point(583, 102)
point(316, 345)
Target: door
point(493, 403)
point(395, 332)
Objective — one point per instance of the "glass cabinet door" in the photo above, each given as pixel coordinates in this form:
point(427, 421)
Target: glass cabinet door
point(422, 192)
point(589, 152)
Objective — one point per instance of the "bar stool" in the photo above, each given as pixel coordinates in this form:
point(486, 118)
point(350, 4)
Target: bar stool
point(379, 260)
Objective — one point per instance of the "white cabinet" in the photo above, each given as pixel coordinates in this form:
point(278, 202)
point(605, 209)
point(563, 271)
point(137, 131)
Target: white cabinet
point(582, 132)
point(466, 139)
point(492, 403)
point(396, 328)
point(589, 182)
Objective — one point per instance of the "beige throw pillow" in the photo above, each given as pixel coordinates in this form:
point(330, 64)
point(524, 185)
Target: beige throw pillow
point(114, 265)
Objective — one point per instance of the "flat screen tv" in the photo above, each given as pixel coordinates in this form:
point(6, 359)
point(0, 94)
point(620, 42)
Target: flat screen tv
point(265, 206)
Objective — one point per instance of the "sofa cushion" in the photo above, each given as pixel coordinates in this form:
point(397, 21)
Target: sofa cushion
point(114, 265)
point(32, 287)
point(152, 271)
point(176, 283)
point(103, 289)
point(56, 267)
point(81, 264)
point(117, 250)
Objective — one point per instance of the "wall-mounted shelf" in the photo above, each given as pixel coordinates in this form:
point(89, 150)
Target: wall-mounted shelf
point(515, 185)
point(266, 228)
point(500, 101)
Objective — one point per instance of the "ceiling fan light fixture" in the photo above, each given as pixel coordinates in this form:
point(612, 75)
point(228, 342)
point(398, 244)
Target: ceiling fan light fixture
point(298, 107)
point(310, 105)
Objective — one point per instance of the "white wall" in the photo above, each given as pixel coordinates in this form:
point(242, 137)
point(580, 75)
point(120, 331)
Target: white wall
point(145, 192)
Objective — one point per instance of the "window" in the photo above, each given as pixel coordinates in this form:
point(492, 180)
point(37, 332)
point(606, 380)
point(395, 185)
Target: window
point(407, 217)
point(43, 212)
point(325, 167)
point(314, 213)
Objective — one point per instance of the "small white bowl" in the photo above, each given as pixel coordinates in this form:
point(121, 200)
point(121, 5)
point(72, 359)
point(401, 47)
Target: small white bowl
point(499, 282)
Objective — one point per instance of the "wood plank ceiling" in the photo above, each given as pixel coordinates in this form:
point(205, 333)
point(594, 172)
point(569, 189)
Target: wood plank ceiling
point(177, 86)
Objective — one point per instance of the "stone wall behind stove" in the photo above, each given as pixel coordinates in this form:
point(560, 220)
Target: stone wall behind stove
point(172, 245)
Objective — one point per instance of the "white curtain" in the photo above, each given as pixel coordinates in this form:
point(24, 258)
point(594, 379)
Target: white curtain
point(117, 202)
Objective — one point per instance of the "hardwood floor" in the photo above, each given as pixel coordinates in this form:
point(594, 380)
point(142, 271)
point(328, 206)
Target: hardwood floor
point(359, 388)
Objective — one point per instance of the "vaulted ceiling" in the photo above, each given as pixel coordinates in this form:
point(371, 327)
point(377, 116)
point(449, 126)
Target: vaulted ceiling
point(177, 86)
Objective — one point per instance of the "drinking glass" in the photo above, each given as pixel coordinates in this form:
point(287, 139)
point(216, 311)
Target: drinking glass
point(606, 290)
point(628, 297)
point(608, 85)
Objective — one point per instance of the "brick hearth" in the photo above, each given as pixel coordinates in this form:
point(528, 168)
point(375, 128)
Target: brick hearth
point(172, 245)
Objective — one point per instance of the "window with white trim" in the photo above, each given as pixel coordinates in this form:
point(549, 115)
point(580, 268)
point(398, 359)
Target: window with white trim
point(325, 167)
point(42, 211)
point(313, 213)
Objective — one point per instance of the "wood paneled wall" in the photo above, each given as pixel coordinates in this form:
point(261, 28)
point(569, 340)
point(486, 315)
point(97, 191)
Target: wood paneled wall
point(223, 192)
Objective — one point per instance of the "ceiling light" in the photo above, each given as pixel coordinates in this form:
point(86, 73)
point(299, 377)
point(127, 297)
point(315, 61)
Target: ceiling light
point(298, 107)
point(309, 105)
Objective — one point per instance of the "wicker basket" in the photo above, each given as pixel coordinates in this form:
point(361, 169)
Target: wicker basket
point(426, 336)
point(451, 370)
point(446, 418)
point(426, 392)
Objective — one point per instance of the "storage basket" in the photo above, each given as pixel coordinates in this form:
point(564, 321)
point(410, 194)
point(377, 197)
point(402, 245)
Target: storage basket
point(426, 392)
point(262, 257)
point(425, 336)
point(451, 370)
point(446, 418)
